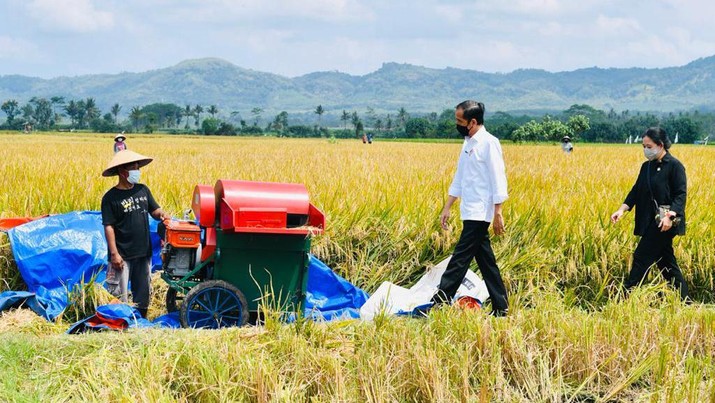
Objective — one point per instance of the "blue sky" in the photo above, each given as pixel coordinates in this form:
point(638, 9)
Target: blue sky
point(50, 38)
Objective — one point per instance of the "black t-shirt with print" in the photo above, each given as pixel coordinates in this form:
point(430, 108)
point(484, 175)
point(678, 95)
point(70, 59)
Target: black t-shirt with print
point(127, 211)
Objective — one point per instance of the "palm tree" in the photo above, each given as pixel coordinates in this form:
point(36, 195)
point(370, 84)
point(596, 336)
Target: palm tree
point(81, 113)
point(213, 110)
point(371, 116)
point(256, 112)
point(198, 109)
point(72, 111)
point(319, 111)
point(115, 111)
point(135, 115)
point(345, 117)
point(355, 119)
point(91, 110)
point(402, 115)
point(378, 125)
point(57, 101)
point(188, 113)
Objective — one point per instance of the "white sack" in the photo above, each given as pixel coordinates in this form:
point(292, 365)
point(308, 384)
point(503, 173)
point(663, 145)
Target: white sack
point(391, 298)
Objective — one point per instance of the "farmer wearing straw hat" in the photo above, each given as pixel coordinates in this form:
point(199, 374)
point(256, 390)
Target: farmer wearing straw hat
point(126, 226)
point(119, 143)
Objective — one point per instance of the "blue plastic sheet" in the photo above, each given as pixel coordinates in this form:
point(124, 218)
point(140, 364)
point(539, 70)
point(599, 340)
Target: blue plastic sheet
point(59, 250)
point(329, 296)
point(42, 302)
point(56, 253)
point(170, 319)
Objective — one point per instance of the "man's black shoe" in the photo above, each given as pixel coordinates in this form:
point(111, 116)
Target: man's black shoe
point(440, 298)
point(422, 310)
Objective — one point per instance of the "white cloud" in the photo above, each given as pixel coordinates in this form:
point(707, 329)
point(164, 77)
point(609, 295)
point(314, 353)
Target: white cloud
point(329, 10)
point(294, 37)
point(538, 8)
point(617, 26)
point(69, 15)
point(553, 29)
point(263, 12)
point(448, 13)
point(11, 48)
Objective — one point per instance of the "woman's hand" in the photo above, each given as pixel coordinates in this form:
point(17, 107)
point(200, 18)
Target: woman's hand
point(665, 224)
point(615, 217)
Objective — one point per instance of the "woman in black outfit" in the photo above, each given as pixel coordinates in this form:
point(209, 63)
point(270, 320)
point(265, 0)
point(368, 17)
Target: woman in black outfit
point(661, 182)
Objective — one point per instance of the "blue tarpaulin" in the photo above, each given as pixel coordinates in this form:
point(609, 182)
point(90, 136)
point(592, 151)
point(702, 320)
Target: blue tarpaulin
point(56, 253)
point(329, 296)
point(46, 307)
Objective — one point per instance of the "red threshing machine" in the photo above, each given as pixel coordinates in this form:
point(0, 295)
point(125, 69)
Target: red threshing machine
point(250, 247)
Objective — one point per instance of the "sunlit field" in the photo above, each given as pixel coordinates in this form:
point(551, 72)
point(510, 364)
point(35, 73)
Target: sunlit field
point(571, 334)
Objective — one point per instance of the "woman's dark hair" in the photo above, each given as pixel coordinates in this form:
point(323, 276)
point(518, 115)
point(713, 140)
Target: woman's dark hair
point(659, 137)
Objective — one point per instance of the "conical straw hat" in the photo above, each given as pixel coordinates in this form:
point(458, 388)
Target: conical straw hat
point(120, 136)
point(125, 157)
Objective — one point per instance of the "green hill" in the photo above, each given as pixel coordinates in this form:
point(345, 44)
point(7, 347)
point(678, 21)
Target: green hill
point(417, 89)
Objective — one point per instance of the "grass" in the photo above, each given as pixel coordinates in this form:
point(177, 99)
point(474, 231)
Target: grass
point(571, 335)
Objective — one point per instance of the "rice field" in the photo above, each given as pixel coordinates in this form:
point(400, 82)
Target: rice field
point(571, 335)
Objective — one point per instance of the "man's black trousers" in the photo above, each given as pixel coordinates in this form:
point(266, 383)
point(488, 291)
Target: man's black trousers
point(656, 247)
point(474, 244)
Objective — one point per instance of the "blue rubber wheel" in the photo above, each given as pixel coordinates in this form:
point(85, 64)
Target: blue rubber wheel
point(214, 304)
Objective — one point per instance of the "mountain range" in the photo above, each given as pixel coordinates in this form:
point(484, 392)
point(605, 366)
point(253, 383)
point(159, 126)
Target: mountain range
point(418, 89)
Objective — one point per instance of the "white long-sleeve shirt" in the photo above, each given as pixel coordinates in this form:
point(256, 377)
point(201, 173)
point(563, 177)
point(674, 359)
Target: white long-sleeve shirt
point(480, 180)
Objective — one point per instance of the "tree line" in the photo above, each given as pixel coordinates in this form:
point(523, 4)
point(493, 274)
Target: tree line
point(580, 122)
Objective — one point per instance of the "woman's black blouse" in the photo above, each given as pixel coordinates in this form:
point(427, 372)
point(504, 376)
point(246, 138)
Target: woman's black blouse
point(668, 184)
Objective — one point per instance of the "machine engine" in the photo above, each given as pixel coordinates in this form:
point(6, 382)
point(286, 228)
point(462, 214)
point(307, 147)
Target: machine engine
point(181, 248)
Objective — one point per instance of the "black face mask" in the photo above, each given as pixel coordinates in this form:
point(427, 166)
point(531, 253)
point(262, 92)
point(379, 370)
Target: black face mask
point(463, 130)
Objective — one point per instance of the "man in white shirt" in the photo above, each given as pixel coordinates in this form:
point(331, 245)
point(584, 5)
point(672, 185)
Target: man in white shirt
point(480, 181)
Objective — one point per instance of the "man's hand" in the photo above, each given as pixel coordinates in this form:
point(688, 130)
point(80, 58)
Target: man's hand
point(499, 224)
point(444, 217)
point(117, 262)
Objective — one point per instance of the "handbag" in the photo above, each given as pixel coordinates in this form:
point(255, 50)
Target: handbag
point(660, 209)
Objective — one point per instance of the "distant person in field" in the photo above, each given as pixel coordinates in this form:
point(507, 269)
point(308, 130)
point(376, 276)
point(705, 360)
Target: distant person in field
point(119, 143)
point(369, 138)
point(566, 144)
point(124, 215)
point(364, 138)
point(480, 181)
point(658, 196)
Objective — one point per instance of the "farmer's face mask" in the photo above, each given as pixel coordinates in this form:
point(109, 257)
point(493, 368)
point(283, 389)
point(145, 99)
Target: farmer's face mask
point(133, 176)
